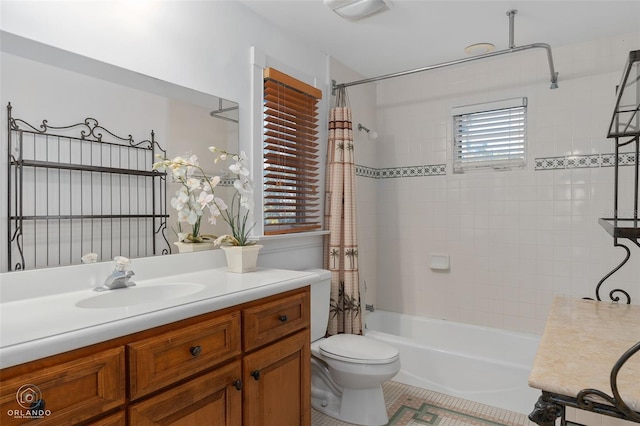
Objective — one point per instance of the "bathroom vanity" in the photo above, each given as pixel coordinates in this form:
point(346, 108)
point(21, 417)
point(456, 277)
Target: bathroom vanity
point(234, 352)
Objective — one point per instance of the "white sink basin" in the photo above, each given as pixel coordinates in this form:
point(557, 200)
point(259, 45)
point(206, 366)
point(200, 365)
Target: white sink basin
point(138, 295)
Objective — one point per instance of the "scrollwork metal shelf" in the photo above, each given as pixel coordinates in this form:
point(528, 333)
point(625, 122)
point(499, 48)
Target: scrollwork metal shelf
point(625, 130)
point(81, 188)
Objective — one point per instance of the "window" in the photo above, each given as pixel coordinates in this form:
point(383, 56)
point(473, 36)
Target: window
point(290, 152)
point(490, 135)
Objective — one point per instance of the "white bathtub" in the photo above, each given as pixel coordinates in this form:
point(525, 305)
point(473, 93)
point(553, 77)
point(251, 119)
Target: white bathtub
point(481, 364)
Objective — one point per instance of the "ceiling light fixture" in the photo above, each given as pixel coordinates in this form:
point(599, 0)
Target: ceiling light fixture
point(353, 10)
point(479, 48)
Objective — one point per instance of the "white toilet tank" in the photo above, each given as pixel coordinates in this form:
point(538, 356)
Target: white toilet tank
point(320, 301)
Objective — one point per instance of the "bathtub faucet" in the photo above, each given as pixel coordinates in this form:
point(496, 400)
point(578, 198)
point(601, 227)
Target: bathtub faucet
point(369, 308)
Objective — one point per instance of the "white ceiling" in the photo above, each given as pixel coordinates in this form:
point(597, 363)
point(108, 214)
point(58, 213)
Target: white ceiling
point(418, 33)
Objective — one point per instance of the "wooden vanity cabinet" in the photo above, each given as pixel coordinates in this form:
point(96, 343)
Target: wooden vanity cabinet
point(209, 399)
point(277, 376)
point(277, 388)
point(69, 393)
point(244, 365)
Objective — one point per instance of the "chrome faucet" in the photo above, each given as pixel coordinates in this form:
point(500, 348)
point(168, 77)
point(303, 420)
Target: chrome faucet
point(119, 278)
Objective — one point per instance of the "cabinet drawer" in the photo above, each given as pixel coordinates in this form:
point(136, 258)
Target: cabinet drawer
point(117, 419)
point(214, 398)
point(164, 359)
point(72, 392)
point(271, 321)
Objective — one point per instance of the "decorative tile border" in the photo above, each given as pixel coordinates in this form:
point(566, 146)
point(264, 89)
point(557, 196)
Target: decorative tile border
point(584, 161)
point(226, 182)
point(369, 172)
point(406, 171)
point(542, 163)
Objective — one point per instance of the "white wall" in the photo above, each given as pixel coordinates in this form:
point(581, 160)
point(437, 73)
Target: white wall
point(204, 46)
point(515, 238)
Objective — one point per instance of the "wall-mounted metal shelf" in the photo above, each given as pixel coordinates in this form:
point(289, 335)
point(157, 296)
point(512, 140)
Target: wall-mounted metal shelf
point(624, 129)
point(621, 228)
point(78, 189)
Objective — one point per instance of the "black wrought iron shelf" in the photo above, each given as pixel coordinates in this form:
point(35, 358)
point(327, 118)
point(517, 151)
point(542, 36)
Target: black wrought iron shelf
point(86, 168)
point(621, 228)
point(89, 216)
point(624, 129)
point(79, 188)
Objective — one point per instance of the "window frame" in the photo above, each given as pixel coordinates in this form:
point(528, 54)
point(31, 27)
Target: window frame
point(510, 140)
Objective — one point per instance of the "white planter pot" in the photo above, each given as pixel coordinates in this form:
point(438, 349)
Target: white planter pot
point(191, 247)
point(242, 258)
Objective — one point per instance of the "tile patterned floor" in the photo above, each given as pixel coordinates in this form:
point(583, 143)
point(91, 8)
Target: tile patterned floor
point(412, 406)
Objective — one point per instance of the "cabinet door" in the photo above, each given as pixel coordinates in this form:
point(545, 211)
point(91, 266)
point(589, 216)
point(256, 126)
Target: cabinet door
point(67, 393)
point(277, 383)
point(212, 399)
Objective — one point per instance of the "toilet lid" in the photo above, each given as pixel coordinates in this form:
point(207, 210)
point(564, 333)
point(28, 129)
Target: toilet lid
point(358, 349)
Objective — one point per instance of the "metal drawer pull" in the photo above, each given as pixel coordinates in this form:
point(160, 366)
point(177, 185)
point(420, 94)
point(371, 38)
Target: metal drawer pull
point(195, 350)
point(255, 374)
point(283, 318)
point(238, 384)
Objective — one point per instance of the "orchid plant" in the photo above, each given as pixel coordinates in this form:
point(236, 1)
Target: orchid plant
point(196, 197)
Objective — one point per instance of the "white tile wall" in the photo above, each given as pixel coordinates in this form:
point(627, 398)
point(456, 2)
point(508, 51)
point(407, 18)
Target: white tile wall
point(517, 237)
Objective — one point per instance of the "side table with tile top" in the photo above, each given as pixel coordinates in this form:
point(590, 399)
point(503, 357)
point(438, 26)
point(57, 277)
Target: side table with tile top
point(588, 358)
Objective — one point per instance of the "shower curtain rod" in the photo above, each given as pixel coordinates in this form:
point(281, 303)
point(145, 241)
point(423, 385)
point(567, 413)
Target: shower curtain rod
point(512, 49)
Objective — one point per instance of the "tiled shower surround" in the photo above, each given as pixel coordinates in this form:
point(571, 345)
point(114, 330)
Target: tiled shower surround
point(515, 237)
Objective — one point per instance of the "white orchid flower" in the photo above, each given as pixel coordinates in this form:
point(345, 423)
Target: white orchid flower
point(243, 187)
point(214, 181)
point(187, 215)
point(193, 184)
point(239, 169)
point(221, 204)
point(214, 212)
point(205, 199)
point(180, 200)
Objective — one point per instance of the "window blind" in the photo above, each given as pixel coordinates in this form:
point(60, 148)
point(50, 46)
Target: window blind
point(490, 135)
point(290, 153)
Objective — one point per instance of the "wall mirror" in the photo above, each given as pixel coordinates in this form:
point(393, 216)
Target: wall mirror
point(45, 83)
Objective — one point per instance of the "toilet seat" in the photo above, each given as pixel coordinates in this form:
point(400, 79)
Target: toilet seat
point(358, 349)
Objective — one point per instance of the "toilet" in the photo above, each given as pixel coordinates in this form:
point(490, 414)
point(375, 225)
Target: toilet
point(347, 371)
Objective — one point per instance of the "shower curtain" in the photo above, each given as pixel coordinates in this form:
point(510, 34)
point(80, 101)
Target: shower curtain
point(341, 245)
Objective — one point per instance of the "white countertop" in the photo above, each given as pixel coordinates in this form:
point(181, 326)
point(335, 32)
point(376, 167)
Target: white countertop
point(36, 327)
point(582, 341)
